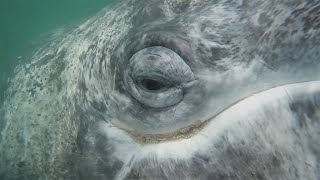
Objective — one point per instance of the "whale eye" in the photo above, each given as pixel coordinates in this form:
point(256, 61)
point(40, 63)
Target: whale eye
point(157, 77)
point(152, 85)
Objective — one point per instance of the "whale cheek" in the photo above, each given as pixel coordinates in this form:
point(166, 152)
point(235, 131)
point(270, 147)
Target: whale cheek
point(270, 135)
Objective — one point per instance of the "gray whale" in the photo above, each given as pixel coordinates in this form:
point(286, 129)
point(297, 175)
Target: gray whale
point(188, 89)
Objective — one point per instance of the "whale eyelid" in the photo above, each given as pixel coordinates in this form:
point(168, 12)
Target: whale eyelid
point(157, 82)
point(155, 54)
point(175, 41)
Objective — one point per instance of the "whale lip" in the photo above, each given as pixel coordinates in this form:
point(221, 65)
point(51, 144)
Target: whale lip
point(290, 90)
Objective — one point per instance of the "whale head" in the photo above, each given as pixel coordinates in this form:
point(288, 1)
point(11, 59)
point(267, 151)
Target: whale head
point(171, 89)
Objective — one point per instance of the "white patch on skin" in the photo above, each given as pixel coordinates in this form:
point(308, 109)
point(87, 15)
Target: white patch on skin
point(268, 109)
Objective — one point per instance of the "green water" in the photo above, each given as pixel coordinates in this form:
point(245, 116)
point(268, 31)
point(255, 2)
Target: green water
point(22, 21)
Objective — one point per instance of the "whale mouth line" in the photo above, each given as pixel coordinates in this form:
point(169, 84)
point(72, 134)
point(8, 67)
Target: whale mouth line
point(193, 129)
point(179, 134)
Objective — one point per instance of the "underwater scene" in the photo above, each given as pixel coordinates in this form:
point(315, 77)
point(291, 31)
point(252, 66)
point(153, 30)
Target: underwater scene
point(160, 90)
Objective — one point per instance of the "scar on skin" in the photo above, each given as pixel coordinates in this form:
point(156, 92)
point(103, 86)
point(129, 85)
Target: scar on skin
point(179, 134)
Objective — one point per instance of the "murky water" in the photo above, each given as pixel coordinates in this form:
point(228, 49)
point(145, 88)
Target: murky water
point(23, 23)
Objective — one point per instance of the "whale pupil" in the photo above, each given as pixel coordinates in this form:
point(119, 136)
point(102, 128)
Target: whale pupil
point(152, 85)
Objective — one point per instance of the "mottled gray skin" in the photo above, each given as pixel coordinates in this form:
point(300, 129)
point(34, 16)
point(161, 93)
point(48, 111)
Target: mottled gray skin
point(249, 69)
